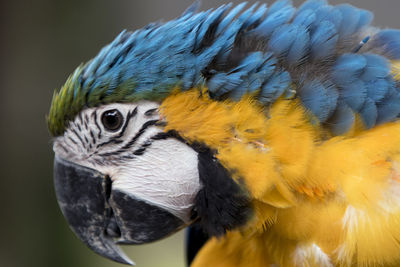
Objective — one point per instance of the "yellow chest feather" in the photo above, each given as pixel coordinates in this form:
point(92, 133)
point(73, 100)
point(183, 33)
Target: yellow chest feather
point(318, 200)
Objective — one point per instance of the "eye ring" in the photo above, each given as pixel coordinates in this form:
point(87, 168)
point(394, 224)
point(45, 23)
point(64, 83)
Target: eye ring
point(112, 120)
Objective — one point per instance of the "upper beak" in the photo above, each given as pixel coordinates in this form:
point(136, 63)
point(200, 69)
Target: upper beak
point(102, 216)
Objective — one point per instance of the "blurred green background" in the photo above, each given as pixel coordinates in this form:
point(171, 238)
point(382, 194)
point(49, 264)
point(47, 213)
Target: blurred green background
point(42, 42)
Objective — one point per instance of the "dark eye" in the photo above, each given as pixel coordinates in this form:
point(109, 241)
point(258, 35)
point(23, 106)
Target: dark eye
point(112, 120)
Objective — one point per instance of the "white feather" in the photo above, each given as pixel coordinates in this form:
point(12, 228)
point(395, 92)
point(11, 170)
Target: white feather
point(166, 175)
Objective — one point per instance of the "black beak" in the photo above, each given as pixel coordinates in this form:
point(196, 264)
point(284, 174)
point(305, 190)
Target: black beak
point(81, 194)
point(102, 217)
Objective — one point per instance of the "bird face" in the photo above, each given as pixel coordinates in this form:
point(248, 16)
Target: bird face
point(120, 179)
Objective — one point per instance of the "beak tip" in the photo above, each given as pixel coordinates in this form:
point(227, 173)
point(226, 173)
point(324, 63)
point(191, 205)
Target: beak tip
point(126, 260)
point(122, 258)
point(107, 248)
point(131, 263)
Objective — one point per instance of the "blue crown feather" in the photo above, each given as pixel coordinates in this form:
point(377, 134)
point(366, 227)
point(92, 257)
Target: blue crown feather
point(328, 55)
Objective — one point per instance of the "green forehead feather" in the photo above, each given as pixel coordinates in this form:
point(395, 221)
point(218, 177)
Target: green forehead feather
point(64, 103)
point(73, 98)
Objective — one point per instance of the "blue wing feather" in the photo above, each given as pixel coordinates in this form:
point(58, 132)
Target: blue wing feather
point(282, 39)
point(274, 20)
point(350, 23)
point(275, 87)
point(389, 42)
point(369, 113)
point(305, 18)
point(319, 98)
point(354, 94)
point(256, 17)
point(377, 89)
point(376, 67)
point(323, 41)
point(229, 17)
point(299, 50)
point(348, 68)
point(341, 120)
point(365, 19)
point(328, 13)
point(389, 106)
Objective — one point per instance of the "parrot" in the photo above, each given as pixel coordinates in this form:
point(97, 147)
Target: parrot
point(271, 133)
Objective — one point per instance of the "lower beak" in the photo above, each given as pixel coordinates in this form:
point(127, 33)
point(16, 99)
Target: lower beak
point(101, 217)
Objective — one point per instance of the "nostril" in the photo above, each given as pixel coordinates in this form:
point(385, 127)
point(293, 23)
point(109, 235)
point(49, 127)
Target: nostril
point(112, 228)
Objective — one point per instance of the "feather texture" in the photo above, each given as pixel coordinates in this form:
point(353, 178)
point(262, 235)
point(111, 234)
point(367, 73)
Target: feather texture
point(319, 98)
point(389, 42)
point(300, 184)
point(267, 52)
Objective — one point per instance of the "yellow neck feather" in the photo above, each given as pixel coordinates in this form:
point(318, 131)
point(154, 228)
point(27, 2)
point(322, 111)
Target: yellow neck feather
point(311, 191)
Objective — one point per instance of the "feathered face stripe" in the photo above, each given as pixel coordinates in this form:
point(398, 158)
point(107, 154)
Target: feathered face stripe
point(88, 137)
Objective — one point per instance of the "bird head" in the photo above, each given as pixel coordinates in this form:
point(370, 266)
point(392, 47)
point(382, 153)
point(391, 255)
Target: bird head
point(119, 178)
point(144, 132)
point(122, 177)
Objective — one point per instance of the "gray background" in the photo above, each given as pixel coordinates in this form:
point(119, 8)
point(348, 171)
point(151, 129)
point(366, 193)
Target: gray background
point(42, 41)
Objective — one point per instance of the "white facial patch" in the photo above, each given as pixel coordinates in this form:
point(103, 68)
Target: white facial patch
point(162, 172)
point(165, 175)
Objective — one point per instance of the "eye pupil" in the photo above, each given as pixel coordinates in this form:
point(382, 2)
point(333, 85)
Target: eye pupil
point(112, 119)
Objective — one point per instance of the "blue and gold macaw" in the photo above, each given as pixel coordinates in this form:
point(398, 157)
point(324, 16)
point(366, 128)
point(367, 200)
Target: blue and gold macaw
point(273, 133)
